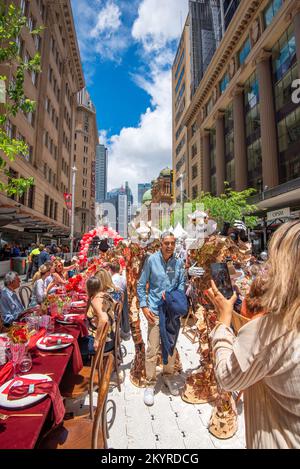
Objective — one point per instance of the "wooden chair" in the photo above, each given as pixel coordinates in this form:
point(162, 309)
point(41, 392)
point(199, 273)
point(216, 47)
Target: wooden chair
point(83, 432)
point(85, 382)
point(25, 293)
point(117, 352)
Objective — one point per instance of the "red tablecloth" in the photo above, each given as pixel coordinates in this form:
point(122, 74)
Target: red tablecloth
point(23, 433)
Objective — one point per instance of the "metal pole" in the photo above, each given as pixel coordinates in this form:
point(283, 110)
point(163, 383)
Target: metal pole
point(74, 170)
point(181, 199)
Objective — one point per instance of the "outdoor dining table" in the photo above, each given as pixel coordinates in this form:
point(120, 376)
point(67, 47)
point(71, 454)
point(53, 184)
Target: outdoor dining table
point(23, 432)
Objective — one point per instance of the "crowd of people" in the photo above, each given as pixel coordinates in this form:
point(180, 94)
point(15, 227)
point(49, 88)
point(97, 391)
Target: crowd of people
point(14, 249)
point(262, 360)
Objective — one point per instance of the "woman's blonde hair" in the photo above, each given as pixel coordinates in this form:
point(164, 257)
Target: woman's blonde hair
point(42, 270)
point(105, 279)
point(282, 287)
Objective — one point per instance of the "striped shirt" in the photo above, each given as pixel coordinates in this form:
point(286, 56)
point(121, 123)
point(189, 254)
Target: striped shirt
point(264, 361)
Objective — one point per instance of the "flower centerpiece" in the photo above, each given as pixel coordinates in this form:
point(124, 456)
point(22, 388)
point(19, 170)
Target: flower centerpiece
point(74, 284)
point(19, 333)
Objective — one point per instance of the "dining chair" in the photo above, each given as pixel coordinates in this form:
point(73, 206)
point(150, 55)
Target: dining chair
point(116, 352)
point(74, 386)
point(84, 432)
point(25, 293)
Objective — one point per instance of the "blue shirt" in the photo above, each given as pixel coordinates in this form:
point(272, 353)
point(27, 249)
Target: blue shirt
point(162, 277)
point(10, 306)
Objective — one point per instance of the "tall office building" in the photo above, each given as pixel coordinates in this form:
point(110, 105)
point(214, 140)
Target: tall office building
point(101, 173)
point(50, 130)
point(85, 142)
point(142, 188)
point(242, 124)
point(205, 36)
point(122, 214)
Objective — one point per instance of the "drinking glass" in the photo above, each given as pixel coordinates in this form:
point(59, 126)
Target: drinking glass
point(44, 321)
point(25, 363)
point(17, 353)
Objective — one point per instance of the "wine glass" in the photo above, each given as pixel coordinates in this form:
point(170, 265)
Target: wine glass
point(25, 363)
point(17, 353)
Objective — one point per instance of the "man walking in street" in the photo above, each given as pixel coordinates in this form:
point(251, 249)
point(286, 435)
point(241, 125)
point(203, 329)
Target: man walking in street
point(162, 273)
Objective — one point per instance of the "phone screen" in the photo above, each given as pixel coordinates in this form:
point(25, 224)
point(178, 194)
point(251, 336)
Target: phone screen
point(221, 277)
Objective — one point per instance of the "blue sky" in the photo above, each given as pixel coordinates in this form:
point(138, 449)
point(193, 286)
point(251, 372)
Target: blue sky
point(127, 48)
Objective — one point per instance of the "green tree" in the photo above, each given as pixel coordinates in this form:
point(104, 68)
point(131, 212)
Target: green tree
point(12, 22)
point(230, 206)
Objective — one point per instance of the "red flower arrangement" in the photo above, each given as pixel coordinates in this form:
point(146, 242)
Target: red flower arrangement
point(19, 334)
point(73, 284)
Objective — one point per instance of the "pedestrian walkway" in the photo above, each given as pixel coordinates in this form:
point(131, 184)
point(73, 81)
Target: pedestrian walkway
point(170, 423)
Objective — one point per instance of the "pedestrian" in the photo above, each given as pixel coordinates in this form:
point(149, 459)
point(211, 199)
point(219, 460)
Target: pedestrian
point(162, 272)
point(264, 359)
point(30, 262)
point(35, 253)
point(44, 255)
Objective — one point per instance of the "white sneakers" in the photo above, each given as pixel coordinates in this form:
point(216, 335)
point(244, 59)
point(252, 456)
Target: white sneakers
point(149, 396)
point(171, 385)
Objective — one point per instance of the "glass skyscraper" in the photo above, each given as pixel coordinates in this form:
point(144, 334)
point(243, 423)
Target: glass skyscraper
point(101, 173)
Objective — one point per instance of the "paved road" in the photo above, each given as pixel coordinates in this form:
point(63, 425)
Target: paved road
point(170, 423)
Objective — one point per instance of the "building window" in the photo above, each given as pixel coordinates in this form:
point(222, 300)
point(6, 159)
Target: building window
point(194, 150)
point(180, 80)
point(224, 83)
point(46, 205)
point(195, 192)
point(55, 211)
point(229, 147)
point(194, 128)
point(194, 171)
point(271, 11)
point(209, 106)
point(31, 194)
point(284, 54)
point(253, 132)
point(179, 65)
point(244, 52)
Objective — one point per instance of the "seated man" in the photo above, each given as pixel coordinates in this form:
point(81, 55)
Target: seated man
point(11, 307)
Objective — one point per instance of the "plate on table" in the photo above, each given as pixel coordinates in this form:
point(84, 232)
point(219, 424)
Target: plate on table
point(25, 401)
point(78, 304)
point(68, 319)
point(42, 342)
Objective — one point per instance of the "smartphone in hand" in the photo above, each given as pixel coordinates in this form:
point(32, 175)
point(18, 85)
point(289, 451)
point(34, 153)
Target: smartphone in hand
point(221, 277)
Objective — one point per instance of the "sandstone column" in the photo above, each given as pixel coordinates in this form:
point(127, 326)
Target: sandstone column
point(268, 121)
point(220, 152)
point(206, 161)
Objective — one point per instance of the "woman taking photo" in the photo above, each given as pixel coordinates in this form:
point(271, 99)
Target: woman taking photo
point(58, 277)
point(100, 311)
point(264, 359)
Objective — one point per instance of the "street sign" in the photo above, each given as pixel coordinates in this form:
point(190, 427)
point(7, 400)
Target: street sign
point(35, 230)
point(280, 213)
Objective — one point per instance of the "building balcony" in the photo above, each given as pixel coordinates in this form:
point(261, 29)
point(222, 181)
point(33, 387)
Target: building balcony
point(279, 196)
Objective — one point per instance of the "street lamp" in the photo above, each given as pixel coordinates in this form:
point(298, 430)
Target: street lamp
point(74, 171)
point(181, 197)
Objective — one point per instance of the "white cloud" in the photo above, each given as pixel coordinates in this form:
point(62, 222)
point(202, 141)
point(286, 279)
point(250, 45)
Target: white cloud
point(101, 32)
point(159, 21)
point(138, 154)
point(108, 20)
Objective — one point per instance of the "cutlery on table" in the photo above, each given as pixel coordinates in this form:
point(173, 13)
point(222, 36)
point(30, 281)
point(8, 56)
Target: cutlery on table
point(5, 416)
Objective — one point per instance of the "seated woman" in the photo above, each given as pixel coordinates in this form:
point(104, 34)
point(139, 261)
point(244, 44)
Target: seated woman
point(39, 290)
point(100, 311)
point(58, 277)
point(108, 285)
